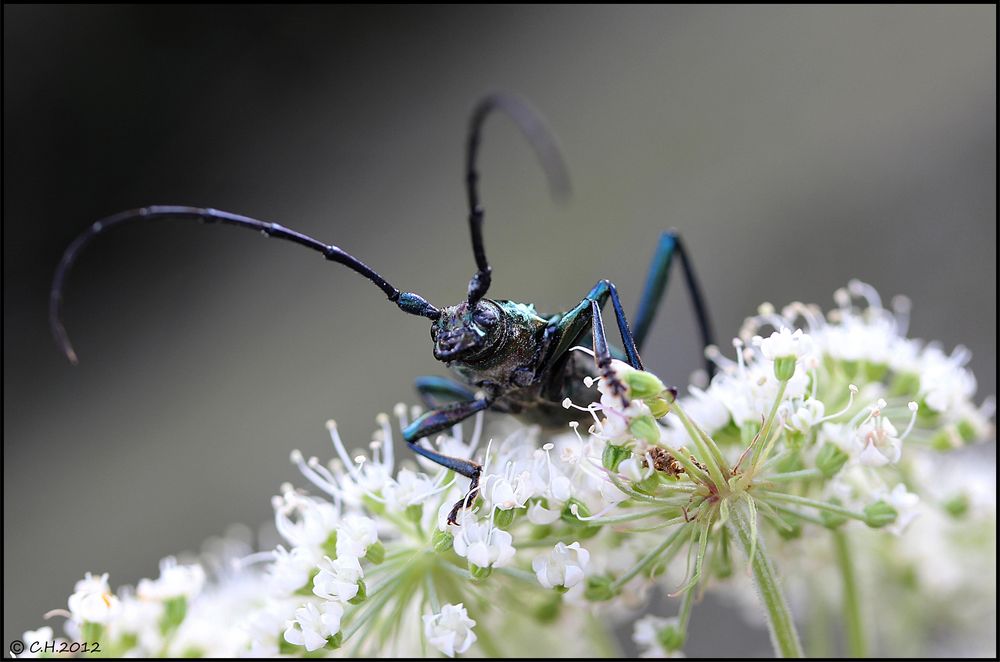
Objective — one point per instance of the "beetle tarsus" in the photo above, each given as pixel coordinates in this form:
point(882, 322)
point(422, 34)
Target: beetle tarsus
point(468, 500)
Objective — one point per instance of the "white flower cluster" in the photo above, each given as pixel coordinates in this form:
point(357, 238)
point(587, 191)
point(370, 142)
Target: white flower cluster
point(812, 424)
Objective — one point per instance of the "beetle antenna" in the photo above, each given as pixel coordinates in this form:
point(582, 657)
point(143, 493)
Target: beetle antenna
point(407, 301)
point(541, 139)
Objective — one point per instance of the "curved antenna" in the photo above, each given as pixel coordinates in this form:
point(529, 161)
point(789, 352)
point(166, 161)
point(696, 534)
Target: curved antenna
point(407, 301)
point(541, 139)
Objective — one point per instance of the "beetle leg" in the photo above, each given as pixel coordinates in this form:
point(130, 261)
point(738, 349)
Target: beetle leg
point(438, 391)
point(602, 353)
point(438, 420)
point(572, 327)
point(656, 284)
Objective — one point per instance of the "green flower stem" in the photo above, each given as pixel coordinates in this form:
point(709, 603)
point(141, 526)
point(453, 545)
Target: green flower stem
point(812, 503)
point(517, 573)
point(431, 594)
point(795, 475)
point(601, 637)
point(376, 600)
point(818, 639)
point(707, 448)
point(648, 559)
point(629, 517)
point(802, 516)
point(684, 615)
point(639, 496)
point(765, 431)
point(784, 638)
point(853, 622)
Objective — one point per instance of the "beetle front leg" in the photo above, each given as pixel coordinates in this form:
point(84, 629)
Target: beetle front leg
point(439, 391)
point(438, 420)
point(602, 353)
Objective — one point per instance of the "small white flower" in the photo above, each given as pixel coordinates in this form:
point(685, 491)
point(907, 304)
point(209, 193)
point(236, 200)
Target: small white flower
point(451, 630)
point(879, 442)
point(355, 535)
point(563, 566)
point(313, 626)
point(907, 506)
point(644, 634)
point(290, 569)
point(633, 470)
point(93, 602)
point(507, 493)
point(304, 521)
point(483, 545)
point(409, 489)
point(784, 343)
point(338, 578)
point(541, 516)
point(175, 581)
point(806, 415)
point(944, 381)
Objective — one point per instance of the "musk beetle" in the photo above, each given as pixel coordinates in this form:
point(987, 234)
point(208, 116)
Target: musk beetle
point(508, 357)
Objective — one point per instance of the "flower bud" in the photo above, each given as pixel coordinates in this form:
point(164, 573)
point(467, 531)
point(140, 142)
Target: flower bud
point(784, 368)
point(790, 529)
point(643, 384)
point(645, 428)
point(880, 514)
point(957, 506)
point(671, 637)
point(334, 642)
point(330, 546)
point(504, 518)
point(479, 573)
point(362, 594)
point(658, 407)
point(442, 541)
point(174, 611)
point(830, 459)
point(613, 456)
point(598, 589)
point(832, 520)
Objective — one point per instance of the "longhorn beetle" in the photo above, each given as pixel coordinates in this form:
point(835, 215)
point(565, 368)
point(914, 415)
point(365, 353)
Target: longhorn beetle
point(508, 357)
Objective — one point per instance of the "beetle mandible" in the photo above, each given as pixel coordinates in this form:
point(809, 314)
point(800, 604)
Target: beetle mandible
point(508, 357)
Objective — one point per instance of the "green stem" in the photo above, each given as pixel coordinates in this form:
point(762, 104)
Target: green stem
point(784, 638)
point(648, 559)
point(765, 432)
point(812, 503)
point(795, 475)
point(601, 637)
point(853, 623)
point(709, 450)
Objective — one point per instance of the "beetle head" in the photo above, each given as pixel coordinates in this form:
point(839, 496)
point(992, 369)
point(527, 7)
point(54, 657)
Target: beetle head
point(467, 331)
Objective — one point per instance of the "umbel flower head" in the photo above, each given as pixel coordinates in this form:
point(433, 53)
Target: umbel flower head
point(818, 424)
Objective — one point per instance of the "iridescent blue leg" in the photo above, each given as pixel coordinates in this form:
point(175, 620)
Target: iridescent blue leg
point(572, 326)
point(437, 391)
point(439, 420)
point(656, 284)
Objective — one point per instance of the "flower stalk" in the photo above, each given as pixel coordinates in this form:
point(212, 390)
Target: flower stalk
point(781, 626)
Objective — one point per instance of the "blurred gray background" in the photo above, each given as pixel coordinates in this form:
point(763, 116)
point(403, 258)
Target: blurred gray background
point(794, 147)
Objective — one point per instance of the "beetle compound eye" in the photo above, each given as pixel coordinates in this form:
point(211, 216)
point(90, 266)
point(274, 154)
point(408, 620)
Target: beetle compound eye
point(485, 316)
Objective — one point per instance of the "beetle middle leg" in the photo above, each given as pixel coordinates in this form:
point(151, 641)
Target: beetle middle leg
point(439, 420)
